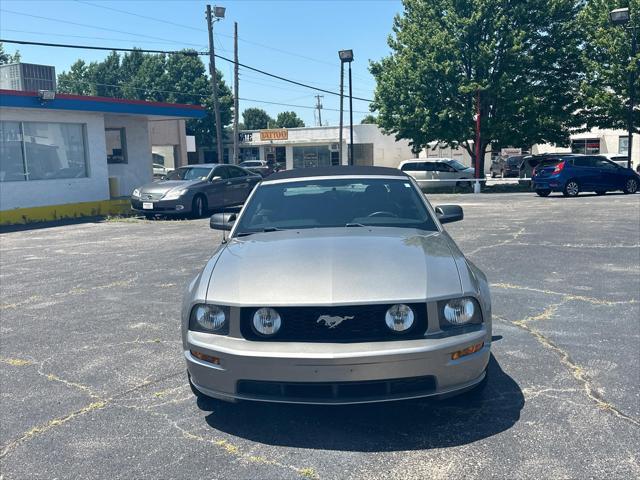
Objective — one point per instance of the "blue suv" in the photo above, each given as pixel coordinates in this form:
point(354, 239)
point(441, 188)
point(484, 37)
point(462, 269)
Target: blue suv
point(572, 174)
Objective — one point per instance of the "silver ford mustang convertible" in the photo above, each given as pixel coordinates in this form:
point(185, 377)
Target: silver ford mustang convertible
point(337, 285)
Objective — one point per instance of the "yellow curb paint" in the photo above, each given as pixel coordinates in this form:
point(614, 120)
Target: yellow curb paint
point(20, 216)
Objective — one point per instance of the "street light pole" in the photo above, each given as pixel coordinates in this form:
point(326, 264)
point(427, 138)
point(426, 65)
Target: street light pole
point(476, 187)
point(346, 56)
point(632, 95)
point(219, 13)
point(622, 17)
point(341, 109)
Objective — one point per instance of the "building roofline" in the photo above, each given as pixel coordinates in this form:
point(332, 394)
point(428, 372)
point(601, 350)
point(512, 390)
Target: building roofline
point(23, 93)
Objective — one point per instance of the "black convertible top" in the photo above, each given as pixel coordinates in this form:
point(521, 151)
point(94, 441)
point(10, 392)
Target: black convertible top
point(335, 171)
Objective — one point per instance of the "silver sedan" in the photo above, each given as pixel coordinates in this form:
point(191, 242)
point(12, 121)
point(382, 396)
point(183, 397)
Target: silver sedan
point(337, 285)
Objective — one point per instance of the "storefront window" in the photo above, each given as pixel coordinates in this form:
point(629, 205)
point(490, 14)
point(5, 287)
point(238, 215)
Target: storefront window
point(116, 145)
point(587, 146)
point(251, 153)
point(623, 145)
point(41, 151)
point(307, 157)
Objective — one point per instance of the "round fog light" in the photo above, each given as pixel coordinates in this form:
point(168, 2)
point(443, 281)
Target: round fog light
point(399, 318)
point(459, 311)
point(266, 321)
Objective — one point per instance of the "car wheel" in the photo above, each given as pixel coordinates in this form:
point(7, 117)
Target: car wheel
point(600, 192)
point(543, 193)
point(149, 216)
point(571, 189)
point(631, 186)
point(199, 206)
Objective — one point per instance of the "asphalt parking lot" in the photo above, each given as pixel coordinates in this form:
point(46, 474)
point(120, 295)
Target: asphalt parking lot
point(93, 380)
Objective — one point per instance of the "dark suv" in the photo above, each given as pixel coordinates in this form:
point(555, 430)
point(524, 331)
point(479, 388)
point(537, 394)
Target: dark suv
point(506, 167)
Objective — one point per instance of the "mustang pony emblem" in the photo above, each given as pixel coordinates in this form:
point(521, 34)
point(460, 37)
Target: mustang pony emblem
point(332, 321)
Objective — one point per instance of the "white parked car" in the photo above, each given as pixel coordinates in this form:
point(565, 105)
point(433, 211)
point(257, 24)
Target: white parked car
point(160, 171)
point(619, 158)
point(447, 170)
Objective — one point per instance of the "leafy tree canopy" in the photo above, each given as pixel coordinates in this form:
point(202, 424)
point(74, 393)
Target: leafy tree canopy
point(369, 119)
point(256, 119)
point(7, 57)
point(164, 78)
point(522, 57)
point(608, 63)
point(288, 120)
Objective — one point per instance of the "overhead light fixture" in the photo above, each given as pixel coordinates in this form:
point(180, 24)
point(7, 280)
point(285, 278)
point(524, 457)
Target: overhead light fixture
point(346, 55)
point(218, 12)
point(620, 16)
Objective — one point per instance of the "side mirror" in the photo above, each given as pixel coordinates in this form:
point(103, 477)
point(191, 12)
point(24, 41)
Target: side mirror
point(222, 221)
point(215, 178)
point(449, 213)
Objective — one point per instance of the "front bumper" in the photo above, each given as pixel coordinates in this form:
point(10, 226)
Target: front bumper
point(328, 373)
point(181, 205)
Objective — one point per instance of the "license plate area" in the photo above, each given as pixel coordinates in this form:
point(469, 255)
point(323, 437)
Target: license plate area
point(147, 205)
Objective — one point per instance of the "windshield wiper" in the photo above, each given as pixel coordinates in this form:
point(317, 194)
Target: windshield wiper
point(355, 225)
point(264, 230)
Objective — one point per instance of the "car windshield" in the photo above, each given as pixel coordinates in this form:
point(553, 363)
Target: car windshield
point(251, 164)
point(189, 173)
point(335, 202)
point(456, 164)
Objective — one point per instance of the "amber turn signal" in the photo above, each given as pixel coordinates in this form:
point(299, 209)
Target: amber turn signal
point(467, 351)
point(206, 358)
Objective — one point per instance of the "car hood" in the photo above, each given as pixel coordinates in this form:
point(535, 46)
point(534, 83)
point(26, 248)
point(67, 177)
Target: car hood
point(166, 185)
point(334, 267)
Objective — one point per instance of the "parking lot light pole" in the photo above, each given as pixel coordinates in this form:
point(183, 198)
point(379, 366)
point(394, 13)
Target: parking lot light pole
point(346, 56)
point(476, 186)
point(622, 17)
point(213, 16)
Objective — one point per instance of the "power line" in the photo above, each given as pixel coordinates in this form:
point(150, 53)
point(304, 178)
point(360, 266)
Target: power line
point(128, 40)
point(189, 27)
point(201, 96)
point(294, 82)
point(89, 26)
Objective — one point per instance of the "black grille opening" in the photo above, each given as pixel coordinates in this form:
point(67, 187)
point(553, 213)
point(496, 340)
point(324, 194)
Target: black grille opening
point(345, 391)
point(362, 323)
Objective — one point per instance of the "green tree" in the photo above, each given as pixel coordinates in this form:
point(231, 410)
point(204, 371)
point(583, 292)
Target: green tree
point(369, 119)
point(288, 120)
point(6, 57)
point(521, 58)
point(608, 63)
point(256, 119)
point(179, 78)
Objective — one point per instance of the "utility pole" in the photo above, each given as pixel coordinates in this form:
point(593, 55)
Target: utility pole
point(632, 94)
point(214, 82)
point(236, 102)
point(319, 108)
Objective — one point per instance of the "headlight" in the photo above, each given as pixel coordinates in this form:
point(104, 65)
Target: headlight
point(136, 193)
point(460, 311)
point(266, 321)
point(399, 318)
point(174, 194)
point(209, 319)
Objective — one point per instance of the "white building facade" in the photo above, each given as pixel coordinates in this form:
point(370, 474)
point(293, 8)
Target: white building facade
point(76, 149)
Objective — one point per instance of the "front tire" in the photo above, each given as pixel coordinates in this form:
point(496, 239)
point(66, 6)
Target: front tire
point(199, 206)
point(571, 189)
point(543, 193)
point(630, 186)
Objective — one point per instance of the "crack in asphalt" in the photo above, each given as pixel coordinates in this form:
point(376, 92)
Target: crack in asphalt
point(514, 237)
point(567, 296)
point(577, 372)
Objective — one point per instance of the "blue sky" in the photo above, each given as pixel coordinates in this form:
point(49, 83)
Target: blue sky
point(294, 39)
